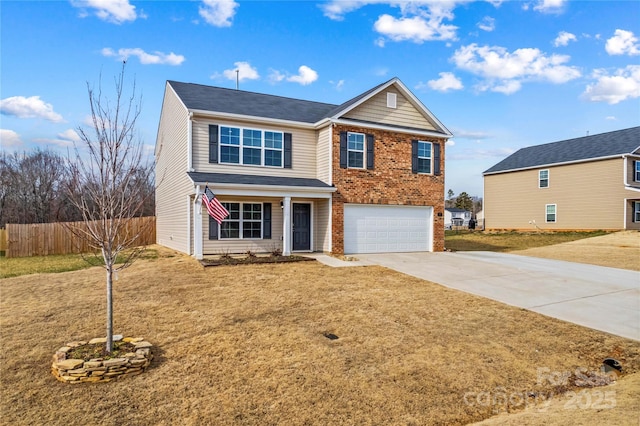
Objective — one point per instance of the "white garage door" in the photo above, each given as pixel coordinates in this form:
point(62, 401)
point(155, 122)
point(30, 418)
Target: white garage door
point(382, 229)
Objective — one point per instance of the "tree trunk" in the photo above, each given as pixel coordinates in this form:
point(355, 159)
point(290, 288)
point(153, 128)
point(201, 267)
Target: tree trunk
point(109, 345)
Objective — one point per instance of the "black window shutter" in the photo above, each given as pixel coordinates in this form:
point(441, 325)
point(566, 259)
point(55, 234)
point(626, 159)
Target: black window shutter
point(213, 228)
point(213, 143)
point(287, 150)
point(436, 159)
point(266, 221)
point(414, 156)
point(343, 150)
point(370, 140)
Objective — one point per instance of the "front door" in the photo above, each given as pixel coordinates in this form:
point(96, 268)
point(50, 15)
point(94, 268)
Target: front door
point(301, 226)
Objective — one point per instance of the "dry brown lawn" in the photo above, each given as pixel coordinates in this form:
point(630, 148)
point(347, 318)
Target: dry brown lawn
point(245, 345)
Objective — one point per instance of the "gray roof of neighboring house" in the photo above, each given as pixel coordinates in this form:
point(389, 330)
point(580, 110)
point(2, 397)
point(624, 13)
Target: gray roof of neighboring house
point(619, 142)
point(219, 99)
point(199, 177)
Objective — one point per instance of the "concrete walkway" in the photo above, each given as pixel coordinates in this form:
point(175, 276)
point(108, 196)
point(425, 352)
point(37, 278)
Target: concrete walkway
point(601, 298)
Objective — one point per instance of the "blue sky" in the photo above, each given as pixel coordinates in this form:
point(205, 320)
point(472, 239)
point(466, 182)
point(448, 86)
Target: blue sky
point(500, 75)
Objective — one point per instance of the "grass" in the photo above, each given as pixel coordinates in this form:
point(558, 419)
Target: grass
point(510, 241)
point(17, 266)
point(246, 346)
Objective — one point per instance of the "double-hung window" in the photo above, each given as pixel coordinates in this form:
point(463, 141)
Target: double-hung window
point(251, 147)
point(229, 145)
point(273, 149)
point(637, 171)
point(550, 216)
point(355, 150)
point(636, 211)
point(424, 157)
point(244, 221)
point(543, 179)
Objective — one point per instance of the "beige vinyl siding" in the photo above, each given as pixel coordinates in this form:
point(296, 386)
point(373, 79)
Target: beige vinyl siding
point(303, 150)
point(376, 110)
point(241, 245)
point(587, 196)
point(173, 184)
point(322, 234)
point(323, 155)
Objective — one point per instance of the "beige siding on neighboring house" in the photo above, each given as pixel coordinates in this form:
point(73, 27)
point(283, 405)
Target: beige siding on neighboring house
point(587, 196)
point(376, 110)
point(173, 184)
point(303, 151)
point(323, 155)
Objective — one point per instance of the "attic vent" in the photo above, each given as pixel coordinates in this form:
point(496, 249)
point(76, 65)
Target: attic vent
point(391, 100)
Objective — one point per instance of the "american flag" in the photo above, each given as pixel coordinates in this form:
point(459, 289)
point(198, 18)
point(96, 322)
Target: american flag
point(214, 207)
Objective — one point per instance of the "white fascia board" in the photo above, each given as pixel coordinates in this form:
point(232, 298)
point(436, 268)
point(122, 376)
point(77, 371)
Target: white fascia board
point(432, 133)
point(242, 117)
point(565, 163)
point(632, 188)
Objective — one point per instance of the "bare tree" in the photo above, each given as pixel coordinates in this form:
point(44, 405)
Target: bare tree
point(109, 182)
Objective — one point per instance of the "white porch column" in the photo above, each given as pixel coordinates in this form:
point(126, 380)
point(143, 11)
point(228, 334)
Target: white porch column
point(286, 226)
point(197, 224)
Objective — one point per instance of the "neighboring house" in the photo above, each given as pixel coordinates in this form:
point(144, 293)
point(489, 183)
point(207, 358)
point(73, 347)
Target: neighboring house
point(456, 217)
point(297, 175)
point(586, 183)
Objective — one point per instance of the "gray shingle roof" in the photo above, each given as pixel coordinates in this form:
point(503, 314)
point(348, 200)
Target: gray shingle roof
point(218, 99)
point(255, 180)
point(609, 144)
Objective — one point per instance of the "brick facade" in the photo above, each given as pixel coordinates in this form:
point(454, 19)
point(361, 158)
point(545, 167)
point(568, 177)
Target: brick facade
point(390, 182)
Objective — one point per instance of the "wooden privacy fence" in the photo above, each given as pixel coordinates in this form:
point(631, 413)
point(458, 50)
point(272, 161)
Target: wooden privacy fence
point(3, 239)
point(42, 239)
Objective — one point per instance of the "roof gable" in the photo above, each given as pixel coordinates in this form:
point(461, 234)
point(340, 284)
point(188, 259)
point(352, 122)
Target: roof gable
point(603, 145)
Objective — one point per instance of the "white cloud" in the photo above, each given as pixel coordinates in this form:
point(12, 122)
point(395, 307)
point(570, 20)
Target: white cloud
point(69, 135)
point(623, 42)
point(305, 76)
point(564, 38)
point(420, 20)
point(623, 84)
point(337, 84)
point(447, 81)
point(416, 29)
point(9, 138)
point(114, 11)
point(480, 154)
point(505, 71)
point(487, 24)
point(550, 6)
point(611, 118)
point(32, 107)
point(467, 134)
point(218, 13)
point(144, 57)
point(246, 72)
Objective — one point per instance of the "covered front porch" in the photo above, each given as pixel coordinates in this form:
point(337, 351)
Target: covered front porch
point(267, 214)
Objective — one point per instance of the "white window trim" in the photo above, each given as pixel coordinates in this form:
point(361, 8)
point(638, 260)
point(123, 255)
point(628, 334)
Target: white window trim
point(241, 221)
point(240, 147)
point(430, 172)
point(540, 178)
point(555, 213)
point(636, 211)
point(364, 151)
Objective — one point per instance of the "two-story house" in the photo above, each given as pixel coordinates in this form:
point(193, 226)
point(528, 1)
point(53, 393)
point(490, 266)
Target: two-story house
point(586, 183)
point(299, 176)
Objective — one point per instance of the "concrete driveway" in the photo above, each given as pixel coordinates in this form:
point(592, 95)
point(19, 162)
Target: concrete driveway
point(606, 299)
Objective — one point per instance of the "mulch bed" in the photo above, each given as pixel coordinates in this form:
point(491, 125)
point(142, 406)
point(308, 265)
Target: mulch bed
point(252, 260)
